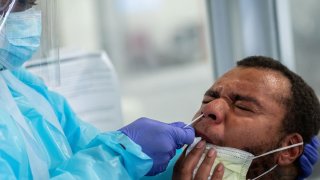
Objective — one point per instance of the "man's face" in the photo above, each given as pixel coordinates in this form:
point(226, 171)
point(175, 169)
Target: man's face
point(244, 109)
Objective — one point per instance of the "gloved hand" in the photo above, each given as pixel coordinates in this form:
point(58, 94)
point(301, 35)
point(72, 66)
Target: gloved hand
point(309, 157)
point(159, 140)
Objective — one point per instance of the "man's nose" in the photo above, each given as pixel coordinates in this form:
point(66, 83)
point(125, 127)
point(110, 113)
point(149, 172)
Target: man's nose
point(216, 110)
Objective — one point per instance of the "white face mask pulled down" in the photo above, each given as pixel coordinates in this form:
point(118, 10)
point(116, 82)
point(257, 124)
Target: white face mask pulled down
point(236, 162)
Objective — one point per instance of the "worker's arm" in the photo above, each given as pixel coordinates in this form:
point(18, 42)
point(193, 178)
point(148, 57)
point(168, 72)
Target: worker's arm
point(88, 154)
point(116, 154)
point(124, 153)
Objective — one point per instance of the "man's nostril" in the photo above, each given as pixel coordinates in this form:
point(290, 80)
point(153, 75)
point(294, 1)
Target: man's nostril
point(212, 116)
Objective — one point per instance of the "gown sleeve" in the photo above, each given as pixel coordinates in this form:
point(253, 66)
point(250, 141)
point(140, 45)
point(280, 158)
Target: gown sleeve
point(95, 155)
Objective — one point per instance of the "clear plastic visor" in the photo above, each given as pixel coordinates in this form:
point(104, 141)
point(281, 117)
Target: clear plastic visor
point(28, 37)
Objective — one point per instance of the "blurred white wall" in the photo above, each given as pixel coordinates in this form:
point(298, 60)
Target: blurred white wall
point(78, 24)
point(159, 48)
point(161, 17)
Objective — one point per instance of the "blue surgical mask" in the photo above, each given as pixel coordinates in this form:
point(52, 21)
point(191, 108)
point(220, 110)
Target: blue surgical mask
point(20, 38)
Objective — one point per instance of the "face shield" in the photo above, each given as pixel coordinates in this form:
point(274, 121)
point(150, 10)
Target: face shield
point(28, 37)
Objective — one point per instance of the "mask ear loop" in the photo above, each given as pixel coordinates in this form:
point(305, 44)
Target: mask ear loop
point(7, 14)
point(280, 149)
point(273, 151)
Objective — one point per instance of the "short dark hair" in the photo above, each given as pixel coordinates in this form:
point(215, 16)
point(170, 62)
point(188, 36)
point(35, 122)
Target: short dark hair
point(23, 5)
point(31, 2)
point(303, 108)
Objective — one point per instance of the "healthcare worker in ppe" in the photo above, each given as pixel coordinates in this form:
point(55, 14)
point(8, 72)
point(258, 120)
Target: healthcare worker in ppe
point(41, 137)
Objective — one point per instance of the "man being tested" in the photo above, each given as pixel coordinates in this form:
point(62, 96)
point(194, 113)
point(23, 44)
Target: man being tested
point(41, 137)
point(255, 108)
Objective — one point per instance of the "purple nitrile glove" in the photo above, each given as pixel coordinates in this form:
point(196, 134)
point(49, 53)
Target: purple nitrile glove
point(159, 140)
point(309, 157)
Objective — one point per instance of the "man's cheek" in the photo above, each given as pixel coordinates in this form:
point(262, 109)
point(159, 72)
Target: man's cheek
point(239, 138)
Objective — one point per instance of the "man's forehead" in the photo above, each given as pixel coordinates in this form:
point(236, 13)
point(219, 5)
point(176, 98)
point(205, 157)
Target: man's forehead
point(255, 81)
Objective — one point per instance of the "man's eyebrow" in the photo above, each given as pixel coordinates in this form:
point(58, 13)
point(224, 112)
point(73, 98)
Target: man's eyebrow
point(238, 97)
point(212, 93)
point(235, 97)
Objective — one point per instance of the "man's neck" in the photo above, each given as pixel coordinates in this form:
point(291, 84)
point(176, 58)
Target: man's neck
point(285, 172)
point(289, 172)
point(279, 173)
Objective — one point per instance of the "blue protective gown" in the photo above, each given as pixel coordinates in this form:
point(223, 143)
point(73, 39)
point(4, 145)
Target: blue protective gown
point(80, 152)
point(167, 174)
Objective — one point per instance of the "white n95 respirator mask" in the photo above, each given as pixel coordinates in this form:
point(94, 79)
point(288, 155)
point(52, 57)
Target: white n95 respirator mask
point(236, 162)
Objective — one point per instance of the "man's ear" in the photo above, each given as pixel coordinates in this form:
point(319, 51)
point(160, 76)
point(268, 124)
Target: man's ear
point(288, 156)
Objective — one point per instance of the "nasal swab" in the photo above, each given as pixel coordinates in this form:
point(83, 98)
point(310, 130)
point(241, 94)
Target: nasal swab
point(193, 121)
